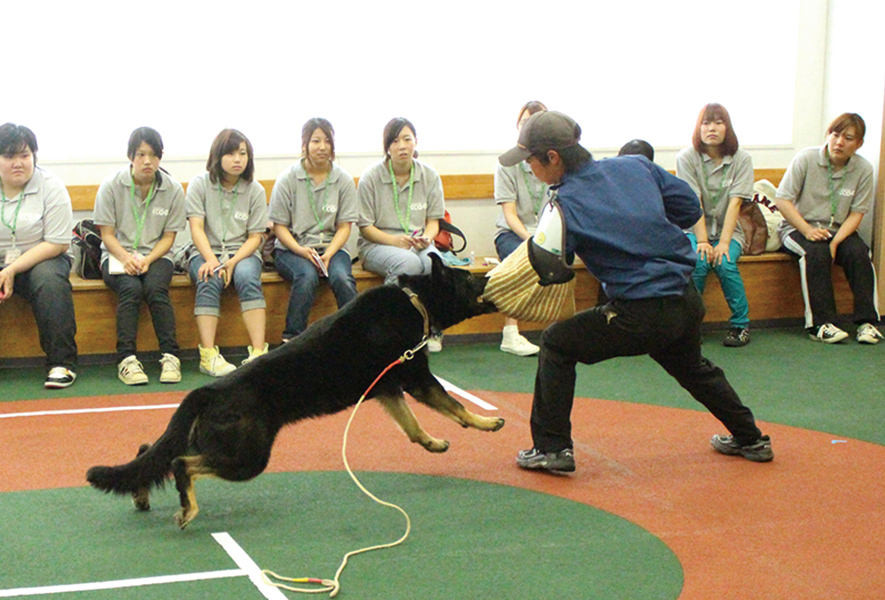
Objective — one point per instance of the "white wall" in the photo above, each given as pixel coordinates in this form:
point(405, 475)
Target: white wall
point(631, 69)
point(855, 74)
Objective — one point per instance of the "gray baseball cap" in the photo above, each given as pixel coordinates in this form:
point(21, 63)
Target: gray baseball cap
point(546, 130)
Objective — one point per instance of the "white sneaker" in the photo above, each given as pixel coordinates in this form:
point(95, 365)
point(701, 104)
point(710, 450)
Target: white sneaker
point(253, 353)
point(434, 343)
point(518, 345)
point(213, 363)
point(170, 369)
point(131, 372)
point(828, 334)
point(868, 334)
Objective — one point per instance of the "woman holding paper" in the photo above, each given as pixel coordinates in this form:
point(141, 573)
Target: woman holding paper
point(227, 213)
point(401, 203)
point(140, 209)
point(313, 207)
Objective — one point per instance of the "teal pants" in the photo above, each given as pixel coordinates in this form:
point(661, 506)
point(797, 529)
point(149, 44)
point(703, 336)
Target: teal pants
point(729, 279)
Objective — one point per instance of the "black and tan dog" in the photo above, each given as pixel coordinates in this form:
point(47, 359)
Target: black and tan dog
point(226, 429)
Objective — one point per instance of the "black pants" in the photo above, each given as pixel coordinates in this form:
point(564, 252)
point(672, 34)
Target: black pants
point(815, 266)
point(667, 329)
point(153, 289)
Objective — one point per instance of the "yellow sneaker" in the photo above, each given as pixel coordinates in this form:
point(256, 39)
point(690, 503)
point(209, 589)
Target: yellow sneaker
point(253, 354)
point(213, 363)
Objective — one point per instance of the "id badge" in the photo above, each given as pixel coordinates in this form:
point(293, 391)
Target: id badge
point(11, 256)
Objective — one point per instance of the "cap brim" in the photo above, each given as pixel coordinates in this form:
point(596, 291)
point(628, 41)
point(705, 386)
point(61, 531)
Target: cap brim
point(514, 156)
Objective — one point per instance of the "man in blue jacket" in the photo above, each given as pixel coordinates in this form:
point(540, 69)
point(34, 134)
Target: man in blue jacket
point(624, 218)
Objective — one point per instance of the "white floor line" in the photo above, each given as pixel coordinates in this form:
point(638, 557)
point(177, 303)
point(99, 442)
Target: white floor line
point(120, 583)
point(245, 562)
point(80, 411)
point(466, 395)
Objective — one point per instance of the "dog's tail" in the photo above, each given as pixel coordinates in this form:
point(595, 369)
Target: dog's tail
point(152, 466)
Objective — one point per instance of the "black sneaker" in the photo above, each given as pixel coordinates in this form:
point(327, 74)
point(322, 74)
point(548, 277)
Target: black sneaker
point(58, 378)
point(827, 333)
point(737, 337)
point(758, 451)
point(533, 459)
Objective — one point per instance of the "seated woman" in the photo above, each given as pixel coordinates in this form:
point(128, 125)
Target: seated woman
point(34, 236)
point(313, 207)
point(824, 196)
point(521, 196)
point(227, 213)
point(721, 175)
point(400, 205)
point(140, 209)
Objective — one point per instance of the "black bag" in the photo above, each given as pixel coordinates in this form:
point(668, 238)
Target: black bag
point(86, 245)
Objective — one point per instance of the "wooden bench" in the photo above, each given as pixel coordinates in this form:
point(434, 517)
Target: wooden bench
point(771, 280)
point(95, 308)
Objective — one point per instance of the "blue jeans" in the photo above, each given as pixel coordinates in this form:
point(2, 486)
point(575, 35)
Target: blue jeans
point(305, 278)
point(152, 288)
point(390, 261)
point(246, 280)
point(47, 288)
point(506, 243)
point(730, 280)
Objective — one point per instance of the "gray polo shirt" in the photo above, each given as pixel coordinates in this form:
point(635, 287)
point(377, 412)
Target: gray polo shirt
point(375, 194)
point(313, 225)
point(229, 216)
point(735, 176)
point(806, 184)
point(45, 214)
point(113, 207)
point(518, 184)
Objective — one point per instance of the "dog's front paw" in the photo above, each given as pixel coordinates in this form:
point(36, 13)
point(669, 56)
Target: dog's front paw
point(490, 423)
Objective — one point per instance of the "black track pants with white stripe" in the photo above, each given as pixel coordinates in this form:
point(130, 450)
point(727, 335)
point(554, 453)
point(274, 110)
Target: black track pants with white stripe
point(815, 268)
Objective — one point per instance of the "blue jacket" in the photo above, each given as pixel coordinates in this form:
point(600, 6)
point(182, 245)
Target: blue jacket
point(625, 218)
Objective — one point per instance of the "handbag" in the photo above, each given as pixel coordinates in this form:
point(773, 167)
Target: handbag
point(444, 241)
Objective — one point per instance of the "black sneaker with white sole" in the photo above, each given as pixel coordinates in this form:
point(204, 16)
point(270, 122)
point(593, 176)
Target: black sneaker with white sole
point(557, 462)
point(59, 377)
point(758, 451)
point(737, 337)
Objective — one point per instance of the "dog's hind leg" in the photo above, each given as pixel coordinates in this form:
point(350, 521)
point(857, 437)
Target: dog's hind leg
point(141, 498)
point(431, 393)
point(187, 469)
point(397, 408)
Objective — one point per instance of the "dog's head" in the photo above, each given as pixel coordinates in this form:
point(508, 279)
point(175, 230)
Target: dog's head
point(450, 295)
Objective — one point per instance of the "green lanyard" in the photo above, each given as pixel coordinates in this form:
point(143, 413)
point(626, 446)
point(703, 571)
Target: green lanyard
point(403, 224)
point(12, 226)
point(227, 218)
point(542, 191)
point(715, 197)
point(834, 192)
point(140, 219)
point(313, 203)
